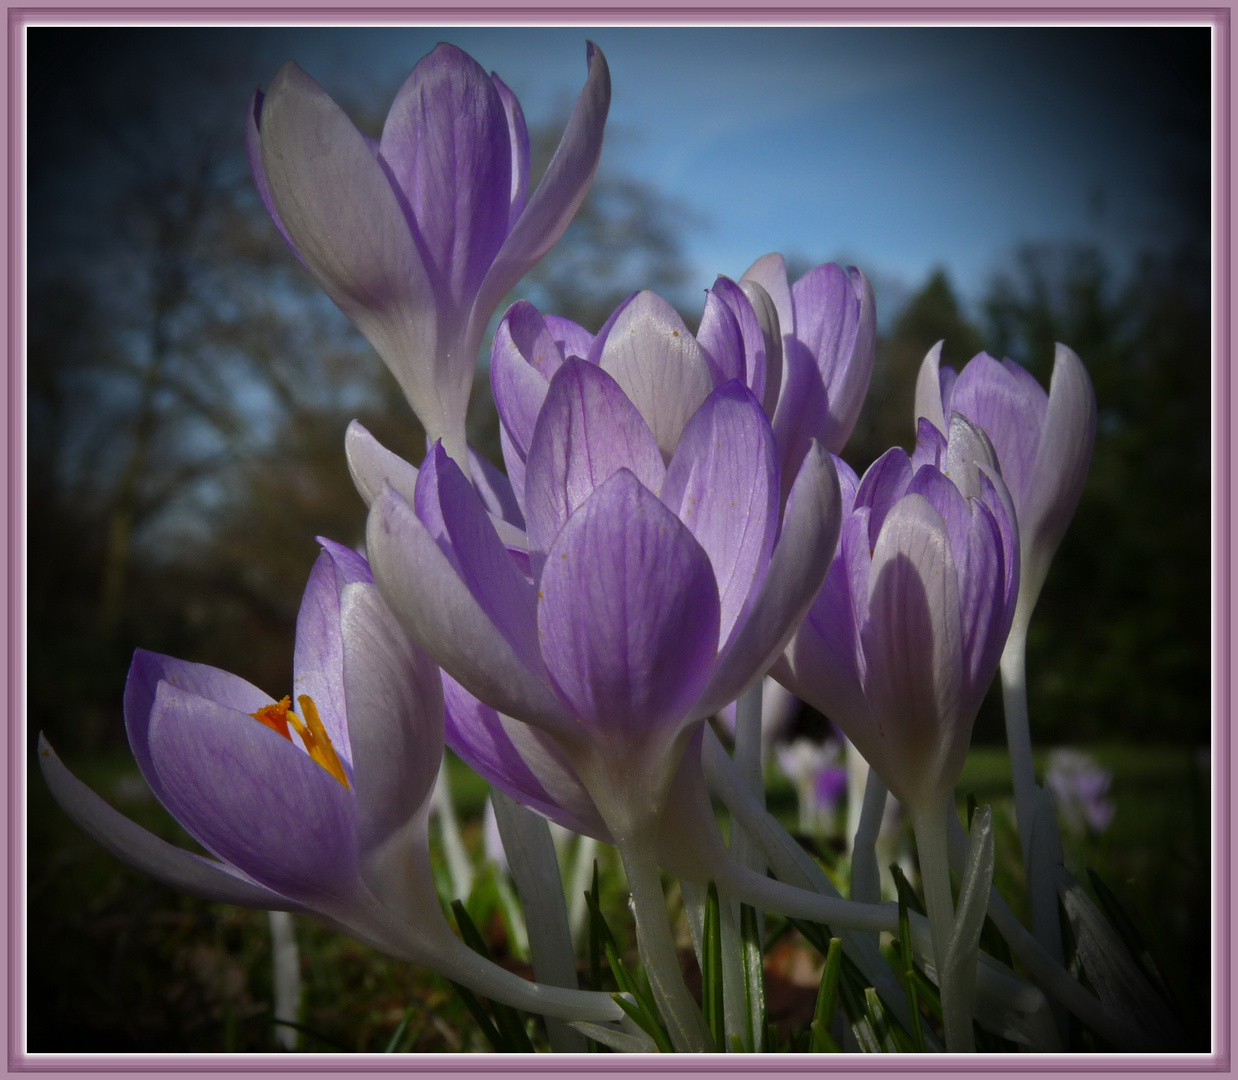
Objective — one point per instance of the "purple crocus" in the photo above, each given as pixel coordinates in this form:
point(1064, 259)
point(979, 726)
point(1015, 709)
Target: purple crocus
point(665, 371)
point(319, 807)
point(901, 644)
point(304, 805)
point(648, 593)
point(1080, 790)
point(419, 236)
point(828, 322)
point(1043, 442)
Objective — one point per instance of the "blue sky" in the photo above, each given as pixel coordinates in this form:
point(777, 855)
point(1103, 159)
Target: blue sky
point(898, 149)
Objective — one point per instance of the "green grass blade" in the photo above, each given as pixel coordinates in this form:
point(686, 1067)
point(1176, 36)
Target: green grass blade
point(753, 962)
point(508, 1020)
point(497, 1043)
point(398, 1034)
point(909, 975)
point(822, 1040)
point(711, 967)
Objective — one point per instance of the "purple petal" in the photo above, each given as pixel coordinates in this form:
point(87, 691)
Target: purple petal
point(149, 669)
point(719, 336)
point(930, 448)
point(485, 743)
point(495, 489)
point(796, 572)
point(437, 610)
point(253, 151)
point(513, 460)
point(1010, 411)
point(629, 612)
point(318, 662)
point(450, 509)
point(133, 845)
point(659, 365)
point(770, 272)
point(765, 353)
point(824, 663)
point(254, 798)
point(723, 484)
point(345, 221)
point(558, 196)
point(523, 358)
point(395, 717)
point(572, 338)
point(447, 148)
point(835, 320)
point(803, 412)
point(913, 649)
point(587, 431)
point(518, 133)
point(884, 483)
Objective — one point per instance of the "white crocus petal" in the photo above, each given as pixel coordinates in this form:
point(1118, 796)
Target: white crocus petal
point(1061, 466)
point(343, 217)
point(968, 451)
point(770, 272)
point(441, 615)
point(913, 648)
point(142, 850)
point(928, 389)
point(771, 330)
point(371, 465)
point(659, 365)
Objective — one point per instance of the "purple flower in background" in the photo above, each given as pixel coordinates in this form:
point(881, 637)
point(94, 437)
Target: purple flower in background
point(317, 807)
point(901, 644)
point(651, 589)
point(1043, 442)
point(419, 236)
point(828, 322)
point(1080, 787)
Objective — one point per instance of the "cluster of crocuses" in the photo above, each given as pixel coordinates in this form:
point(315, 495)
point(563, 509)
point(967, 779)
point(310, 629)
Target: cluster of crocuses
point(672, 525)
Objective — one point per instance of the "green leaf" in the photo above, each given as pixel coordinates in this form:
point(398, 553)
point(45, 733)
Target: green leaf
point(827, 1001)
point(909, 973)
point(497, 1043)
point(711, 967)
point(753, 962)
point(1127, 929)
point(398, 1034)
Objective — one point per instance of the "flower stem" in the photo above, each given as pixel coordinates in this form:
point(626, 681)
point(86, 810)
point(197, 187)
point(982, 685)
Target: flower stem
point(1018, 733)
point(865, 873)
point(657, 948)
point(929, 823)
point(1037, 860)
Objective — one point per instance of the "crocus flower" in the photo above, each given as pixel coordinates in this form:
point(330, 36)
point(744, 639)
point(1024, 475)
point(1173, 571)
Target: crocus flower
point(901, 644)
point(418, 237)
point(828, 322)
point(1080, 789)
point(1043, 442)
point(649, 594)
point(663, 369)
point(319, 807)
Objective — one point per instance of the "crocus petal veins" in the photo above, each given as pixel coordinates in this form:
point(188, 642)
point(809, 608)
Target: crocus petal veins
point(317, 742)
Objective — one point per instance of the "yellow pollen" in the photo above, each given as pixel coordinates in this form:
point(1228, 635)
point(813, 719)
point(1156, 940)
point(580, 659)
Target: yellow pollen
point(317, 742)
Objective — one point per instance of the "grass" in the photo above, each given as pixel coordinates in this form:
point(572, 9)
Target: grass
point(119, 963)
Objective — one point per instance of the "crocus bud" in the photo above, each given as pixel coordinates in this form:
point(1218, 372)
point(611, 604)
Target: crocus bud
point(419, 236)
point(904, 638)
point(1043, 442)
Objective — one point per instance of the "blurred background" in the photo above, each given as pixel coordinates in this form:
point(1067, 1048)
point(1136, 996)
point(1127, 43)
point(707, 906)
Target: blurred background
point(188, 386)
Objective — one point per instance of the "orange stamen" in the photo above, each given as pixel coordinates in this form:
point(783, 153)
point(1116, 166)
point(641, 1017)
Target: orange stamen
point(313, 734)
point(275, 716)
